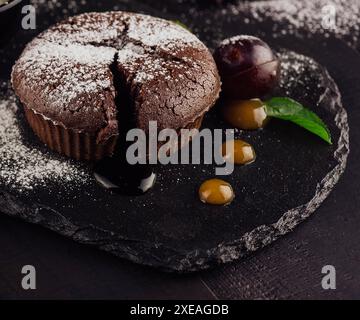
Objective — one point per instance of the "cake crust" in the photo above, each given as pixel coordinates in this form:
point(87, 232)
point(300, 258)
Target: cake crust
point(67, 74)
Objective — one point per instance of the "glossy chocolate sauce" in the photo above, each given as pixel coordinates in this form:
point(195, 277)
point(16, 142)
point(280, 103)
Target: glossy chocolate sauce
point(115, 173)
point(120, 177)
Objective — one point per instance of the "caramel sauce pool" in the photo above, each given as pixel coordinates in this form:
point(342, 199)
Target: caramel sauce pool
point(216, 192)
point(238, 152)
point(245, 114)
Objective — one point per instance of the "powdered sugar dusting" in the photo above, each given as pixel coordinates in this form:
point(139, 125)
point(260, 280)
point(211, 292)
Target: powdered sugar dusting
point(287, 16)
point(235, 39)
point(307, 17)
point(299, 69)
point(88, 28)
point(72, 59)
point(130, 54)
point(23, 167)
point(66, 72)
point(146, 65)
point(76, 53)
point(163, 34)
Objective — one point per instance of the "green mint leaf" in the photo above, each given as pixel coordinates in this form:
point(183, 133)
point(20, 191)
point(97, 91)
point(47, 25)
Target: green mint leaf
point(182, 25)
point(290, 110)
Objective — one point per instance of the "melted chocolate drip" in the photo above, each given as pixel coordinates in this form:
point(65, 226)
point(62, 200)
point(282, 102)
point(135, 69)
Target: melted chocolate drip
point(115, 173)
point(120, 177)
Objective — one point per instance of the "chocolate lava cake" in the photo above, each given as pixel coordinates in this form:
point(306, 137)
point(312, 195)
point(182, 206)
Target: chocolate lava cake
point(85, 80)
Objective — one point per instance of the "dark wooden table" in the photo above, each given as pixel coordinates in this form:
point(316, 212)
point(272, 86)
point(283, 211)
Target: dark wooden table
point(288, 269)
point(291, 268)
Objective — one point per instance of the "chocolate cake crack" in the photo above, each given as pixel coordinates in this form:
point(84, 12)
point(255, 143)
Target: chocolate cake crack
point(94, 76)
point(123, 100)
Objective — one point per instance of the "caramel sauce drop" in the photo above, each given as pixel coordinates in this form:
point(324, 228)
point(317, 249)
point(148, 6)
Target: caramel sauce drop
point(238, 152)
point(245, 114)
point(216, 192)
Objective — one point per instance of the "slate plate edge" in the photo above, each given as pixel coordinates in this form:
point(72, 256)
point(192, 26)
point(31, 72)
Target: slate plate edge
point(172, 260)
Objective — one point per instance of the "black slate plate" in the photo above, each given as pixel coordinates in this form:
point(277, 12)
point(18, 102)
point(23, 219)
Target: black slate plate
point(169, 228)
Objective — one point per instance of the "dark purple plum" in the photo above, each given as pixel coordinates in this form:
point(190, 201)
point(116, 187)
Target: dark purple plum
point(247, 66)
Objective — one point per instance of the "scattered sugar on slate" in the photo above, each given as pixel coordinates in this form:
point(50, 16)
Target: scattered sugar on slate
point(23, 167)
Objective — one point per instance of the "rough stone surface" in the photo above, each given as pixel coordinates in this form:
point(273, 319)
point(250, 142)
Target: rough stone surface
point(169, 228)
